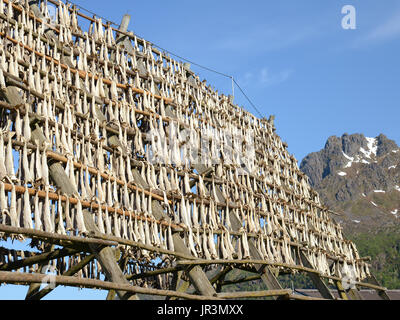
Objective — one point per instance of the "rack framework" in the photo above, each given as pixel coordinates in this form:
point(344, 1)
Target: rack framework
point(127, 173)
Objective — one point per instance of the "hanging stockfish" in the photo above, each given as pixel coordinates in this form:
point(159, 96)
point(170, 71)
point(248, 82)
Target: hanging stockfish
point(117, 228)
point(3, 170)
point(47, 222)
point(184, 215)
point(155, 237)
point(147, 237)
point(99, 216)
point(211, 244)
point(107, 219)
point(27, 174)
point(195, 215)
point(191, 242)
point(3, 203)
point(60, 225)
point(124, 227)
point(10, 159)
point(245, 244)
point(27, 215)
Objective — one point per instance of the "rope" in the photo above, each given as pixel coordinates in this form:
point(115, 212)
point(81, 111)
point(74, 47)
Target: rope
point(248, 99)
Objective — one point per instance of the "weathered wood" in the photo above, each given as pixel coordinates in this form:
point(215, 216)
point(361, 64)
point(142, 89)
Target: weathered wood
point(246, 279)
point(35, 287)
point(382, 293)
point(316, 279)
point(219, 277)
point(254, 294)
point(340, 290)
point(70, 272)
point(58, 238)
point(55, 254)
point(196, 274)
point(181, 285)
point(301, 297)
point(23, 278)
point(153, 273)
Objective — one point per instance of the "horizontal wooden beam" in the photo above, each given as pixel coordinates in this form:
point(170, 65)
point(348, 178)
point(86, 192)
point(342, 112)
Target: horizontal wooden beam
point(59, 253)
point(25, 278)
point(153, 273)
point(301, 297)
point(253, 294)
point(55, 236)
point(283, 265)
point(247, 279)
point(70, 272)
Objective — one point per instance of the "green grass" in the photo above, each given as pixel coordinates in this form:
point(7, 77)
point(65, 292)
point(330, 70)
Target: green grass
point(384, 249)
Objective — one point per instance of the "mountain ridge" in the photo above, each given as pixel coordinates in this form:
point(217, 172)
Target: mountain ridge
point(359, 177)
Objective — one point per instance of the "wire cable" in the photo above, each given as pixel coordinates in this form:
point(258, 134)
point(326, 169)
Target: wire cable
point(248, 99)
point(184, 59)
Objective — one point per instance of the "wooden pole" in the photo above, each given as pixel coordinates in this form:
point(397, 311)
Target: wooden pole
point(22, 278)
point(74, 269)
point(59, 253)
point(254, 294)
point(316, 279)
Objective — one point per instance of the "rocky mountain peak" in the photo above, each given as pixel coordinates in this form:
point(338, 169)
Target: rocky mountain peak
point(357, 175)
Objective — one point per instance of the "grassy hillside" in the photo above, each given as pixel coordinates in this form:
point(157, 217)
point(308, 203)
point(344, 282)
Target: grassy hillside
point(384, 249)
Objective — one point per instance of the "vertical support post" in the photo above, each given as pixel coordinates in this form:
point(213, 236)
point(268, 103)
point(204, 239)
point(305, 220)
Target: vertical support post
point(316, 279)
point(104, 255)
point(196, 274)
point(382, 293)
point(341, 291)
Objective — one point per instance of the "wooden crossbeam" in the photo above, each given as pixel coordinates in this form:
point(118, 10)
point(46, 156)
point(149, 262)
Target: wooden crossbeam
point(316, 279)
point(241, 280)
point(154, 273)
point(56, 238)
point(24, 278)
point(70, 272)
point(55, 254)
point(381, 292)
point(254, 294)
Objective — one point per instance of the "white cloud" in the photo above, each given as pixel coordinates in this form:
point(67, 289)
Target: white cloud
point(390, 29)
point(264, 77)
point(267, 78)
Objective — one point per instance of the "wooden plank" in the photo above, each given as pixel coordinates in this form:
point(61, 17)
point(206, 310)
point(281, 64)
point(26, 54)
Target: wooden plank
point(355, 294)
point(55, 254)
point(74, 269)
point(57, 238)
point(341, 291)
point(382, 293)
point(254, 294)
point(23, 278)
point(316, 279)
point(246, 279)
point(35, 287)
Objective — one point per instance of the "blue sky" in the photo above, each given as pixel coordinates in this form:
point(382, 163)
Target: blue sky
point(292, 58)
